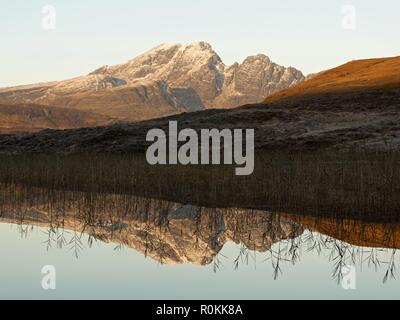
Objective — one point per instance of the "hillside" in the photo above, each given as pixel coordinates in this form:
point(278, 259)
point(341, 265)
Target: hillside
point(31, 117)
point(359, 75)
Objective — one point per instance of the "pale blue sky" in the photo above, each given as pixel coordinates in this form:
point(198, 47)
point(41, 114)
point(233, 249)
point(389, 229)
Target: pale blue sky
point(305, 34)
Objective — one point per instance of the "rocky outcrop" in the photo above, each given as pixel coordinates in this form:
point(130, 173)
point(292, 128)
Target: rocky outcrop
point(256, 77)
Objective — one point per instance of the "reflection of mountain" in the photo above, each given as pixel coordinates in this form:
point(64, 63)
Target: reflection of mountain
point(174, 233)
point(168, 79)
point(168, 232)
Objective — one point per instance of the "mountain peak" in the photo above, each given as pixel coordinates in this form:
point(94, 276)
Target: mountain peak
point(200, 53)
point(198, 47)
point(258, 58)
point(163, 47)
point(201, 45)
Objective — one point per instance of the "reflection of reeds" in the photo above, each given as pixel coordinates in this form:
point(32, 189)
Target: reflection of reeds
point(361, 185)
point(391, 269)
point(339, 253)
point(173, 233)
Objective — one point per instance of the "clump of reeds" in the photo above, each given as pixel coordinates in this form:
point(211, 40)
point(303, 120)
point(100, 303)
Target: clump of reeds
point(358, 184)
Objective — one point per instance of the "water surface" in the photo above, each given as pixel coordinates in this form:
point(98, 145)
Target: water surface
point(108, 246)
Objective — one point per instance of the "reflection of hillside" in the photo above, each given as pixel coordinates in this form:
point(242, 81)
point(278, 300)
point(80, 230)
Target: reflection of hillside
point(357, 233)
point(168, 232)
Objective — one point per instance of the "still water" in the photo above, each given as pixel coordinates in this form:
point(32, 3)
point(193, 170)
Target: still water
point(126, 247)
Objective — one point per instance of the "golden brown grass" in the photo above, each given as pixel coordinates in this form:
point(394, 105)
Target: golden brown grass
point(353, 76)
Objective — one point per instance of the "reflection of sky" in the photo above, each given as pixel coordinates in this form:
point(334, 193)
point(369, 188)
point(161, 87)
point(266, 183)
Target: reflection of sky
point(306, 34)
point(104, 273)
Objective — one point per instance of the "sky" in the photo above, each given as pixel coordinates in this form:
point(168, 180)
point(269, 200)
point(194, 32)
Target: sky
point(311, 35)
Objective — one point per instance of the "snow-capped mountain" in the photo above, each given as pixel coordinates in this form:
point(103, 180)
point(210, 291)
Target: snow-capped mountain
point(168, 79)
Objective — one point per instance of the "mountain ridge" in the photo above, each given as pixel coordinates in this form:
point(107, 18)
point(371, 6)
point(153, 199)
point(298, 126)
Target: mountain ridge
point(165, 80)
point(300, 118)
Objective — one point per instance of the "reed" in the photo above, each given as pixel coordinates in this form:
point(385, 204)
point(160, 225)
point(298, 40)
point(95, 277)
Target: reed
point(361, 184)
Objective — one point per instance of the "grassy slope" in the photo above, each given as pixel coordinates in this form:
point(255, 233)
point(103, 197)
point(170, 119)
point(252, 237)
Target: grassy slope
point(353, 76)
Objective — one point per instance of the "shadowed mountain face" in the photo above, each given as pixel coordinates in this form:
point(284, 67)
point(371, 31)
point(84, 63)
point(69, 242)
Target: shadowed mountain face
point(355, 105)
point(166, 80)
